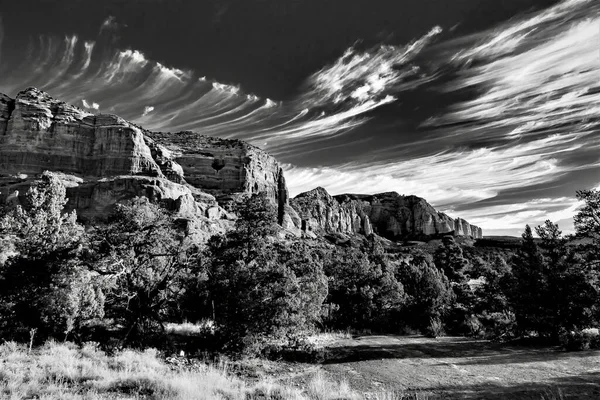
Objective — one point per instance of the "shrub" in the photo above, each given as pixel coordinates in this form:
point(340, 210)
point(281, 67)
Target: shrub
point(429, 294)
point(497, 325)
point(435, 328)
point(578, 340)
point(364, 293)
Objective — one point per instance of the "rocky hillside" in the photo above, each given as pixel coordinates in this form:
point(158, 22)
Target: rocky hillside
point(387, 214)
point(104, 159)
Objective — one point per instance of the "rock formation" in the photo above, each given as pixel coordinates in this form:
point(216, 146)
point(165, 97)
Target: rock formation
point(387, 214)
point(225, 168)
point(103, 159)
point(320, 213)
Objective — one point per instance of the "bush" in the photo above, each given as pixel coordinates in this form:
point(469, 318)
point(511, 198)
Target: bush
point(497, 325)
point(581, 339)
point(435, 328)
point(364, 293)
point(429, 294)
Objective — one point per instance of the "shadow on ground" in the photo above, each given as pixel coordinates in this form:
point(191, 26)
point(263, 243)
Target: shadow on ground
point(475, 352)
point(579, 387)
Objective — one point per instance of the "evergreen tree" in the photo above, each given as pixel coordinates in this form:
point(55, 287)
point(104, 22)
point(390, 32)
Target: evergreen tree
point(261, 289)
point(144, 258)
point(529, 287)
point(429, 293)
point(363, 294)
point(43, 285)
point(553, 290)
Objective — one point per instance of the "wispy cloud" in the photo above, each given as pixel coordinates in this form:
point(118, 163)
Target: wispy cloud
point(109, 24)
point(517, 215)
point(539, 73)
point(358, 77)
point(453, 177)
point(147, 110)
point(91, 106)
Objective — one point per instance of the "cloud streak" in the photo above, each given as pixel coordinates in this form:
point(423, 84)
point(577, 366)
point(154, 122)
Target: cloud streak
point(527, 115)
point(91, 106)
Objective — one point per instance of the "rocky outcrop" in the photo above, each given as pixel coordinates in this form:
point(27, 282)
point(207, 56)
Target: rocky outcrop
point(387, 214)
point(320, 213)
point(225, 168)
point(104, 159)
point(44, 134)
point(398, 217)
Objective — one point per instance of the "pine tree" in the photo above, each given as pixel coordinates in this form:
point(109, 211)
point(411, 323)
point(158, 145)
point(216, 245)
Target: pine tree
point(44, 284)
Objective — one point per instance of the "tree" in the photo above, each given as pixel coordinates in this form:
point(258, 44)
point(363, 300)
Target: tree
point(43, 285)
point(587, 220)
point(42, 227)
point(553, 289)
point(529, 287)
point(587, 226)
point(260, 289)
point(450, 259)
point(145, 261)
point(363, 293)
point(491, 295)
point(429, 292)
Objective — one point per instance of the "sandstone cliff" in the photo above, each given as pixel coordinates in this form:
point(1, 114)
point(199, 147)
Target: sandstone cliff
point(387, 214)
point(320, 213)
point(224, 168)
point(104, 159)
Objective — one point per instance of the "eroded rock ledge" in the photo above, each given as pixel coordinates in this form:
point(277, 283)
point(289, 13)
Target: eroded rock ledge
point(389, 215)
point(104, 159)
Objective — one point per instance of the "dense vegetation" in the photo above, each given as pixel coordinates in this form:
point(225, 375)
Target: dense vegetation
point(122, 279)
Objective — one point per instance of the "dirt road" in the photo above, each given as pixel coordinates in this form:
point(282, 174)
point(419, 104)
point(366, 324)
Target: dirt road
point(462, 368)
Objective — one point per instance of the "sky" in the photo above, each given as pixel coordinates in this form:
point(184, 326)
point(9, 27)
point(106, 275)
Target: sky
point(488, 109)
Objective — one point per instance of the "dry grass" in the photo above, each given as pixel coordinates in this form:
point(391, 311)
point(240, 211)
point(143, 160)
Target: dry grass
point(320, 388)
point(64, 371)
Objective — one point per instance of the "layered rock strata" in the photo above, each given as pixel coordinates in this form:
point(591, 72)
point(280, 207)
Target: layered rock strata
point(104, 159)
point(320, 213)
point(389, 215)
point(225, 168)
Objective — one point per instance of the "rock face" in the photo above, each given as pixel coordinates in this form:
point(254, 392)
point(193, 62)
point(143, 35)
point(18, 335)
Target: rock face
point(224, 168)
point(41, 133)
point(320, 213)
point(387, 214)
point(104, 159)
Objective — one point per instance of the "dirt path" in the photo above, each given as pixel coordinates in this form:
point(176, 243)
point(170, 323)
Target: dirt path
point(463, 368)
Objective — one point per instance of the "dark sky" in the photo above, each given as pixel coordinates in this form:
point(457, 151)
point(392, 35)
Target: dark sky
point(489, 109)
point(268, 46)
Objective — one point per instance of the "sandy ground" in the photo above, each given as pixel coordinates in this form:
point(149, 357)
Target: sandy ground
point(461, 368)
